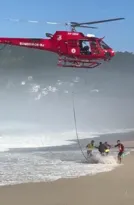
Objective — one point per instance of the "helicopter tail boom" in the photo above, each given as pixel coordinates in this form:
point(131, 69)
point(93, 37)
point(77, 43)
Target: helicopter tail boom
point(42, 44)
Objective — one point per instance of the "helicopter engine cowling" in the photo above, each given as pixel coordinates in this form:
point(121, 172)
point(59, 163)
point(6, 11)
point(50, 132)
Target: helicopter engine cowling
point(90, 35)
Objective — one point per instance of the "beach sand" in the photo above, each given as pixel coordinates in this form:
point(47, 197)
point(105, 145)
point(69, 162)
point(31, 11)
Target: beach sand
point(110, 188)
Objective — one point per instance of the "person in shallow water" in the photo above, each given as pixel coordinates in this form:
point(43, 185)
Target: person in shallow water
point(102, 148)
point(121, 150)
point(90, 148)
point(107, 150)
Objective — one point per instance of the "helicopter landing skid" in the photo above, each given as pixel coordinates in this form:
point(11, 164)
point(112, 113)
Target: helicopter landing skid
point(74, 63)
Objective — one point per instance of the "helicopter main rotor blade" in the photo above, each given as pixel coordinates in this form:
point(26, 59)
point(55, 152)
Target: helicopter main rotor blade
point(72, 24)
point(86, 27)
point(30, 21)
point(96, 22)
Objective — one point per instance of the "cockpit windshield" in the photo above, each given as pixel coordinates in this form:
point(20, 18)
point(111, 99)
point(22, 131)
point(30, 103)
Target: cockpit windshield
point(104, 45)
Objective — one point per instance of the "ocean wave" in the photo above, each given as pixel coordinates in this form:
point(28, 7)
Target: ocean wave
point(10, 139)
point(44, 167)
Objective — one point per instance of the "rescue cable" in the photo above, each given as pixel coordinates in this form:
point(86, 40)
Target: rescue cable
point(75, 123)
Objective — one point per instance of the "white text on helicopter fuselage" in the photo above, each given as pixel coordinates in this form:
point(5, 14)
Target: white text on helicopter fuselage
point(31, 44)
point(74, 34)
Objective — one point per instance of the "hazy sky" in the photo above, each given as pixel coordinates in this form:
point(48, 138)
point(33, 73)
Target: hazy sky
point(119, 35)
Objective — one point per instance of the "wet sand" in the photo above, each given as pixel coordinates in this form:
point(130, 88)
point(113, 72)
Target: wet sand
point(110, 188)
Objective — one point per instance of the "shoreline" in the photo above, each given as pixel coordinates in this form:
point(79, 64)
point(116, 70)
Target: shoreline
point(94, 167)
point(115, 187)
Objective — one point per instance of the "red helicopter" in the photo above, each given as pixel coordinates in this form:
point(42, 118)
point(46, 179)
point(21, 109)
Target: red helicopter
point(73, 48)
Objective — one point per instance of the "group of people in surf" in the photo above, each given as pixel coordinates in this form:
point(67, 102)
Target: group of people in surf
point(104, 149)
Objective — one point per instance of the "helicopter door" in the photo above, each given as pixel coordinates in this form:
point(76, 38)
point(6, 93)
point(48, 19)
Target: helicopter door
point(72, 47)
point(95, 48)
point(85, 48)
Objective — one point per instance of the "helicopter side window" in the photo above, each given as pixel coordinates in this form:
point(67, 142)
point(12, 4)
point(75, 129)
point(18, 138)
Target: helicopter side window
point(104, 45)
point(93, 44)
point(85, 47)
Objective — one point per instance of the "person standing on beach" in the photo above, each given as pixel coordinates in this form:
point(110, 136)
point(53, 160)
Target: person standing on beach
point(121, 150)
